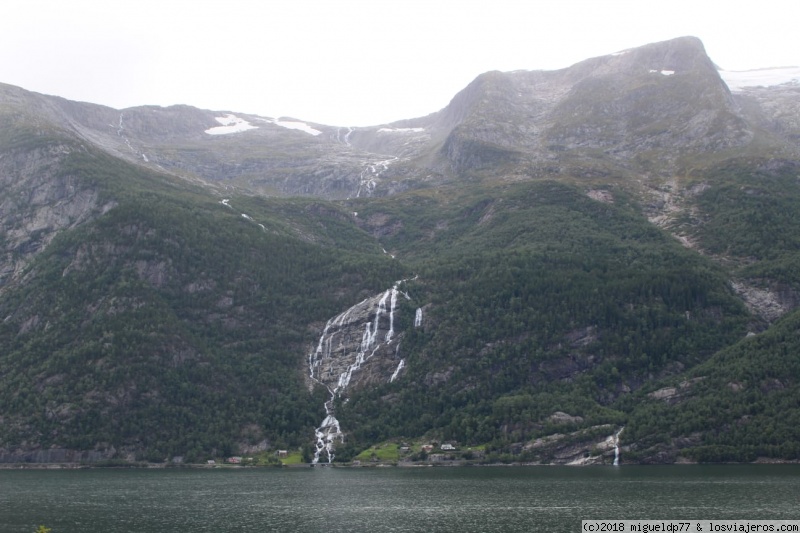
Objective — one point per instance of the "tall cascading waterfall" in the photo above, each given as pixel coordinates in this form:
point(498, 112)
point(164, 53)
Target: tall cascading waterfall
point(339, 355)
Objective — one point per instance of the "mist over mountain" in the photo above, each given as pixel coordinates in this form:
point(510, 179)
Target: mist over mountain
point(565, 266)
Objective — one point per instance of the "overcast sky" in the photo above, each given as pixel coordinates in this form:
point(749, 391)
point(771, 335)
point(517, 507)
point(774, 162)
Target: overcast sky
point(351, 62)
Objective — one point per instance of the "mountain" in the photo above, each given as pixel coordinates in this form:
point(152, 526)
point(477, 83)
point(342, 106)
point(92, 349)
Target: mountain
point(564, 266)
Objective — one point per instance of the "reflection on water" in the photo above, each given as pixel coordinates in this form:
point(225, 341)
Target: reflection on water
point(488, 499)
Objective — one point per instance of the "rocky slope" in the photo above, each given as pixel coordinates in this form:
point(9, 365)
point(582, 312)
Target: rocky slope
point(648, 112)
point(39, 201)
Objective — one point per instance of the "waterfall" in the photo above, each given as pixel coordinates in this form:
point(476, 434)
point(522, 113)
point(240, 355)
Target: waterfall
point(616, 446)
point(418, 318)
point(336, 353)
point(327, 433)
point(392, 305)
point(330, 430)
point(371, 171)
point(397, 371)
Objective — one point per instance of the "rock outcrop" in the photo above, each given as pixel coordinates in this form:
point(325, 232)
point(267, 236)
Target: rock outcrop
point(37, 201)
point(588, 446)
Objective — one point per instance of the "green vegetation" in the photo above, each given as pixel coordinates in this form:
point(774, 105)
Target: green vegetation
point(564, 302)
point(173, 326)
point(383, 453)
point(741, 404)
point(750, 216)
point(293, 458)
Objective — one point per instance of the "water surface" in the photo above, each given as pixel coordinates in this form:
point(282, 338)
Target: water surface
point(352, 500)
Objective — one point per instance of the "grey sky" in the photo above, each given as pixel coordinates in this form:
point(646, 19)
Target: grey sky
point(350, 62)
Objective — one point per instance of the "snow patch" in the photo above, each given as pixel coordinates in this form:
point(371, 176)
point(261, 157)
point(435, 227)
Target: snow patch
point(767, 77)
point(401, 130)
point(292, 125)
point(230, 124)
point(664, 72)
point(302, 126)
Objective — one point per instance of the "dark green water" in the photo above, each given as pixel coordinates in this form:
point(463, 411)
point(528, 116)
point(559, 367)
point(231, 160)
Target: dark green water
point(495, 499)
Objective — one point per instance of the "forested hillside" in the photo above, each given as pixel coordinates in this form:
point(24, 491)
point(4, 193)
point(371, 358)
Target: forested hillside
point(539, 299)
point(174, 325)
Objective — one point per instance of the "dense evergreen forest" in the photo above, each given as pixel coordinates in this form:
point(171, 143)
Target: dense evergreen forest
point(540, 300)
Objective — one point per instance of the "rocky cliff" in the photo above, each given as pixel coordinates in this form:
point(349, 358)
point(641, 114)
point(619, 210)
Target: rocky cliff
point(37, 201)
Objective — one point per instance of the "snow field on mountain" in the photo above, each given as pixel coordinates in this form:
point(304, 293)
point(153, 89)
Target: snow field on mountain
point(767, 77)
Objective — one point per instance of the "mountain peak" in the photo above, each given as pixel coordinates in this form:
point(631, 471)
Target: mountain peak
point(657, 98)
point(681, 54)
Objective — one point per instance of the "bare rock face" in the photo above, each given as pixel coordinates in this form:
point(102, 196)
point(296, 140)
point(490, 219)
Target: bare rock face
point(626, 113)
point(588, 446)
point(560, 417)
point(640, 104)
point(37, 202)
point(768, 304)
point(358, 344)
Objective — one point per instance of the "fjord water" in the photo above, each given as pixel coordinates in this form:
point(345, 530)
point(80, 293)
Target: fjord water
point(325, 499)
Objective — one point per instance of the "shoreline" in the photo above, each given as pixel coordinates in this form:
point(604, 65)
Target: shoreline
point(165, 466)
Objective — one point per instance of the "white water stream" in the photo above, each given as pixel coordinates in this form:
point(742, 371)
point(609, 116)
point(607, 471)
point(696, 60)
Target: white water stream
point(371, 171)
point(330, 431)
point(616, 446)
point(120, 130)
point(397, 371)
point(346, 139)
